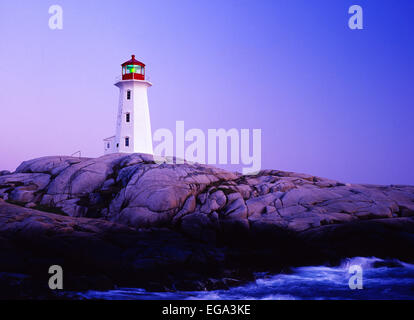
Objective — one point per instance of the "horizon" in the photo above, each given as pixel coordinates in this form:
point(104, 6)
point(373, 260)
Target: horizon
point(330, 101)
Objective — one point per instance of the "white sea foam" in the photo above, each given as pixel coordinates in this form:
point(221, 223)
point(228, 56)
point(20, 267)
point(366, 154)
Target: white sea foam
point(390, 280)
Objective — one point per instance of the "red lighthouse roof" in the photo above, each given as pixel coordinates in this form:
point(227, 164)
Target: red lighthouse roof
point(133, 69)
point(134, 62)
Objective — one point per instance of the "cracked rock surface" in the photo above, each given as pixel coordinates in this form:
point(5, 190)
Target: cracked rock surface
point(199, 200)
point(130, 193)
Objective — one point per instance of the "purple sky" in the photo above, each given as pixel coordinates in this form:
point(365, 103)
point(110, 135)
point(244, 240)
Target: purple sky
point(330, 101)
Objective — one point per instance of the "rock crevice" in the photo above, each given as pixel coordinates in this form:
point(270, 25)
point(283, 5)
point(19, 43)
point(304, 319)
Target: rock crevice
point(124, 212)
point(133, 190)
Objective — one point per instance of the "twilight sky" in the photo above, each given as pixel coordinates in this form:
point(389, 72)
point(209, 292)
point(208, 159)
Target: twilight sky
point(330, 101)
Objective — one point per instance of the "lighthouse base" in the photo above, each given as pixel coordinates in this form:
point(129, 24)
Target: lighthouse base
point(109, 145)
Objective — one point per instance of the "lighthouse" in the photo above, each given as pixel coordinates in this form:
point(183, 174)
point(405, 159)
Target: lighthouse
point(133, 127)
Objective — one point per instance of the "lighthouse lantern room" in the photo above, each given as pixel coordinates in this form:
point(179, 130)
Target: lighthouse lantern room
point(133, 69)
point(133, 127)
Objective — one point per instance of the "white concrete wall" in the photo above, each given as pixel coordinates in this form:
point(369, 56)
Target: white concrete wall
point(111, 148)
point(139, 128)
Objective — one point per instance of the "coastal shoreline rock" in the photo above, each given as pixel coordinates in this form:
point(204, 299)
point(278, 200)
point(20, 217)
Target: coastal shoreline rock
point(169, 224)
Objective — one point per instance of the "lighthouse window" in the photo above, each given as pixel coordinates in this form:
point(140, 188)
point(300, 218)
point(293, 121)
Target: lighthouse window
point(130, 68)
point(127, 142)
point(129, 95)
point(128, 117)
point(134, 69)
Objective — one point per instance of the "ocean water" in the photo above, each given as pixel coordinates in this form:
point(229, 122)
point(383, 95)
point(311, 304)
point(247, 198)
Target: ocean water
point(380, 280)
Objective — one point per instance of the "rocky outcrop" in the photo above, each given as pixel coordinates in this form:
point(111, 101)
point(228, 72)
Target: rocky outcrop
point(201, 201)
point(280, 218)
point(97, 254)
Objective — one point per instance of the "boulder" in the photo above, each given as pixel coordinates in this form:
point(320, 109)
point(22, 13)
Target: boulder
point(135, 190)
point(127, 212)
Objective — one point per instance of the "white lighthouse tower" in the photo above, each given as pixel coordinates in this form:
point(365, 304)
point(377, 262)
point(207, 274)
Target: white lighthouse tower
point(133, 127)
